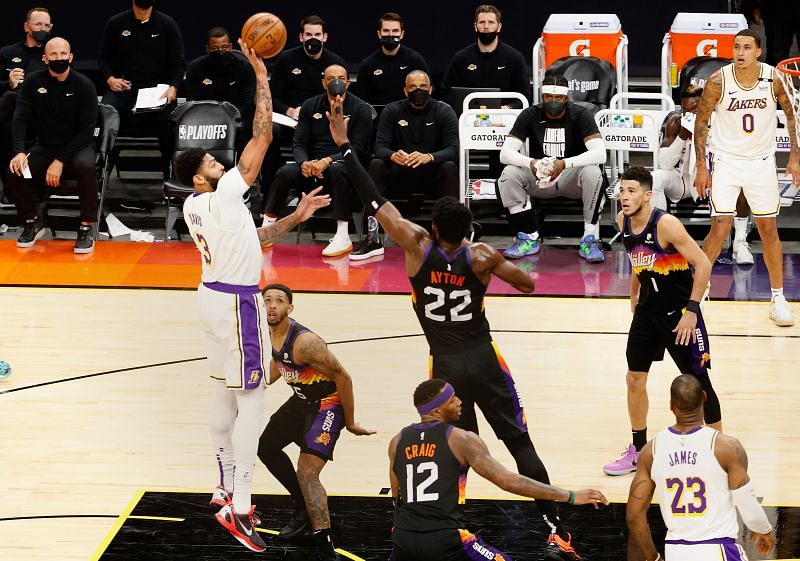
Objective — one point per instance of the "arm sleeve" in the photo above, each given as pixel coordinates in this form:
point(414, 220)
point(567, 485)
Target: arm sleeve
point(87, 119)
point(753, 515)
point(449, 150)
point(108, 51)
point(177, 59)
point(595, 154)
point(22, 117)
point(510, 153)
point(302, 137)
point(277, 85)
point(669, 156)
point(384, 139)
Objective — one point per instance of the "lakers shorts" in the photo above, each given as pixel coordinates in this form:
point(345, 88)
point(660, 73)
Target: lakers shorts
point(314, 426)
point(442, 545)
point(480, 376)
point(758, 178)
point(724, 549)
point(234, 323)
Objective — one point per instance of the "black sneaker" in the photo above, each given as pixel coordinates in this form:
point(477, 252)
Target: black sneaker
point(367, 248)
point(299, 526)
point(34, 230)
point(84, 243)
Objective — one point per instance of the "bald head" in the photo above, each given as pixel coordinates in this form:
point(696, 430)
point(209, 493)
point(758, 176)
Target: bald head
point(686, 393)
point(416, 79)
point(57, 45)
point(335, 72)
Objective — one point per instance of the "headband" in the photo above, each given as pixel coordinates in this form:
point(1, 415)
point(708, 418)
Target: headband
point(555, 90)
point(437, 401)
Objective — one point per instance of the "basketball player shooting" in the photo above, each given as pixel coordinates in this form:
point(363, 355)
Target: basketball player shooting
point(230, 306)
point(744, 95)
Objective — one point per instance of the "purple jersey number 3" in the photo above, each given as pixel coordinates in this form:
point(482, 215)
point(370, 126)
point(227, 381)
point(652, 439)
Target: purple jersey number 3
point(201, 241)
point(694, 484)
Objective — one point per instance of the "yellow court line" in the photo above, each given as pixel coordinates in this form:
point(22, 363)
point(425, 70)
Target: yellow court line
point(118, 524)
point(164, 518)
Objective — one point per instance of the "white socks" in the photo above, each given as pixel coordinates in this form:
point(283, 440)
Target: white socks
point(268, 220)
point(341, 230)
point(740, 229)
point(222, 416)
point(776, 292)
point(589, 229)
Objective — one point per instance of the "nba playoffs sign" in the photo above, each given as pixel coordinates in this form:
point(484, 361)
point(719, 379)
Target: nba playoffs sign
point(202, 132)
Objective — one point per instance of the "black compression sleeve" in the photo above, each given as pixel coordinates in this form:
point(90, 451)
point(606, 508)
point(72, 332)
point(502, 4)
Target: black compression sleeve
point(360, 179)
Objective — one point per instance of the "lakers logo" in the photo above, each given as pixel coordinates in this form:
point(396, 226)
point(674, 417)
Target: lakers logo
point(378, 72)
point(207, 82)
point(125, 33)
point(255, 376)
point(472, 67)
point(324, 438)
point(296, 71)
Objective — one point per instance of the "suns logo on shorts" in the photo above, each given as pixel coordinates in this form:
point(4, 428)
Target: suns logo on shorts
point(705, 359)
point(255, 376)
point(324, 438)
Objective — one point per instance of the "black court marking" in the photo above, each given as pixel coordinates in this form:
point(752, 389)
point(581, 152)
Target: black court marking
point(372, 339)
point(362, 527)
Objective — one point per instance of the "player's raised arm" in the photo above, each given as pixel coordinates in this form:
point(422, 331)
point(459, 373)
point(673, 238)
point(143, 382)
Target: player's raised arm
point(405, 233)
point(639, 497)
point(253, 154)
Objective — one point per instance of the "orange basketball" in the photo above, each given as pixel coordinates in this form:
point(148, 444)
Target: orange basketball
point(265, 34)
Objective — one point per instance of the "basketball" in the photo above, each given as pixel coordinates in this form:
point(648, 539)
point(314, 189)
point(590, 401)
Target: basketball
point(265, 34)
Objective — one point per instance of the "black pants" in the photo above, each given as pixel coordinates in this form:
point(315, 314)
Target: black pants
point(435, 180)
point(81, 167)
point(155, 123)
point(335, 179)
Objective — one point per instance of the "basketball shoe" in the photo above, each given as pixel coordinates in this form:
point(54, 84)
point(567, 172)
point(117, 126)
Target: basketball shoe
point(741, 253)
point(524, 244)
point(242, 527)
point(220, 498)
point(559, 549)
point(591, 249)
point(780, 312)
point(625, 464)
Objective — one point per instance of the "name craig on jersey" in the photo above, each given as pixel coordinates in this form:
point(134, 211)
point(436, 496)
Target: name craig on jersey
point(758, 103)
point(684, 457)
point(643, 259)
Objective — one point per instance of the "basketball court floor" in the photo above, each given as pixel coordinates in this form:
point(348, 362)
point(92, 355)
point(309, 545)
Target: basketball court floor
point(105, 446)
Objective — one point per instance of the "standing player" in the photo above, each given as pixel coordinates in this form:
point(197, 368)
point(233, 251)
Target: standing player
point(230, 307)
point(428, 464)
point(743, 96)
point(312, 418)
point(701, 478)
point(449, 276)
point(665, 301)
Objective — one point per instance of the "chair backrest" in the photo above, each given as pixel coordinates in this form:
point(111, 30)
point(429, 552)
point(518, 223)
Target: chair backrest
point(210, 125)
point(106, 129)
point(590, 78)
point(458, 94)
point(698, 69)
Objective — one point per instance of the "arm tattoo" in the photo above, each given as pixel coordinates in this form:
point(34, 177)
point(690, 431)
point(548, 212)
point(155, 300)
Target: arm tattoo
point(786, 105)
point(316, 501)
point(272, 232)
point(314, 352)
point(709, 99)
point(262, 120)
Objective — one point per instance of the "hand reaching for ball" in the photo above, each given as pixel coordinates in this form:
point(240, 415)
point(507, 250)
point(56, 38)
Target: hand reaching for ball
point(257, 63)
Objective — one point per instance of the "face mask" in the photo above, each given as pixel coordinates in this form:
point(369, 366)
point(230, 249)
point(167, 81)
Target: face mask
point(143, 4)
point(487, 37)
point(219, 59)
point(336, 87)
point(419, 97)
point(58, 66)
point(312, 46)
point(41, 36)
point(390, 42)
point(554, 108)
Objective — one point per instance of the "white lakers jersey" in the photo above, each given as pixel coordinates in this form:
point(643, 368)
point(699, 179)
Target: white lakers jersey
point(691, 486)
point(745, 122)
point(230, 254)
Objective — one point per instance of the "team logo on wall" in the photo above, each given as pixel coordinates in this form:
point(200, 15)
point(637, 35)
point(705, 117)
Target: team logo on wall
point(707, 47)
point(378, 72)
point(580, 47)
point(472, 67)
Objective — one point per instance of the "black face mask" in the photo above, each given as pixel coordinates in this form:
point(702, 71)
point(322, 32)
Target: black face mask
point(336, 87)
point(41, 36)
point(419, 97)
point(219, 59)
point(144, 4)
point(312, 46)
point(487, 37)
point(390, 42)
point(58, 66)
point(554, 108)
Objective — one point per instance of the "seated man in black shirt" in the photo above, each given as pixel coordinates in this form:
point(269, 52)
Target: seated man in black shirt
point(416, 150)
point(293, 79)
point(223, 74)
point(382, 75)
point(567, 152)
point(141, 48)
point(61, 105)
point(318, 159)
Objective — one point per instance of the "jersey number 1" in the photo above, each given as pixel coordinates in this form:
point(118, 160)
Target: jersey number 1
point(421, 494)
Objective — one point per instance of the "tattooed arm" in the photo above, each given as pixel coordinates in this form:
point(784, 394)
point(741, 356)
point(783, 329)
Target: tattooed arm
point(310, 349)
point(712, 93)
point(305, 209)
point(470, 450)
point(639, 497)
point(793, 167)
point(253, 154)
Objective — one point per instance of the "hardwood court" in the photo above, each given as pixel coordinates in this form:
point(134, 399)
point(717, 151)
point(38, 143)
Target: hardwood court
point(78, 450)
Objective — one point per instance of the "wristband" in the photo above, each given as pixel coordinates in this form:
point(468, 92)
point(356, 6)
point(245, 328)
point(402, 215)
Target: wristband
point(431, 155)
point(693, 306)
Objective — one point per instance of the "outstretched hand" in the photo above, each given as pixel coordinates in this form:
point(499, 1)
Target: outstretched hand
point(256, 62)
point(590, 497)
point(310, 202)
point(358, 430)
point(338, 124)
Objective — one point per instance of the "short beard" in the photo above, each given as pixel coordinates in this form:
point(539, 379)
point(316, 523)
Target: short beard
point(213, 182)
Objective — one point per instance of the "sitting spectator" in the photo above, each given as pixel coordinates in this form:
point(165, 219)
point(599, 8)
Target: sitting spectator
point(223, 74)
point(567, 152)
point(382, 75)
point(60, 104)
point(141, 48)
point(318, 159)
point(416, 150)
point(294, 78)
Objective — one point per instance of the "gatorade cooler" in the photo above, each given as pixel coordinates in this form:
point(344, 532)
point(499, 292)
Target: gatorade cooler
point(596, 35)
point(693, 35)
